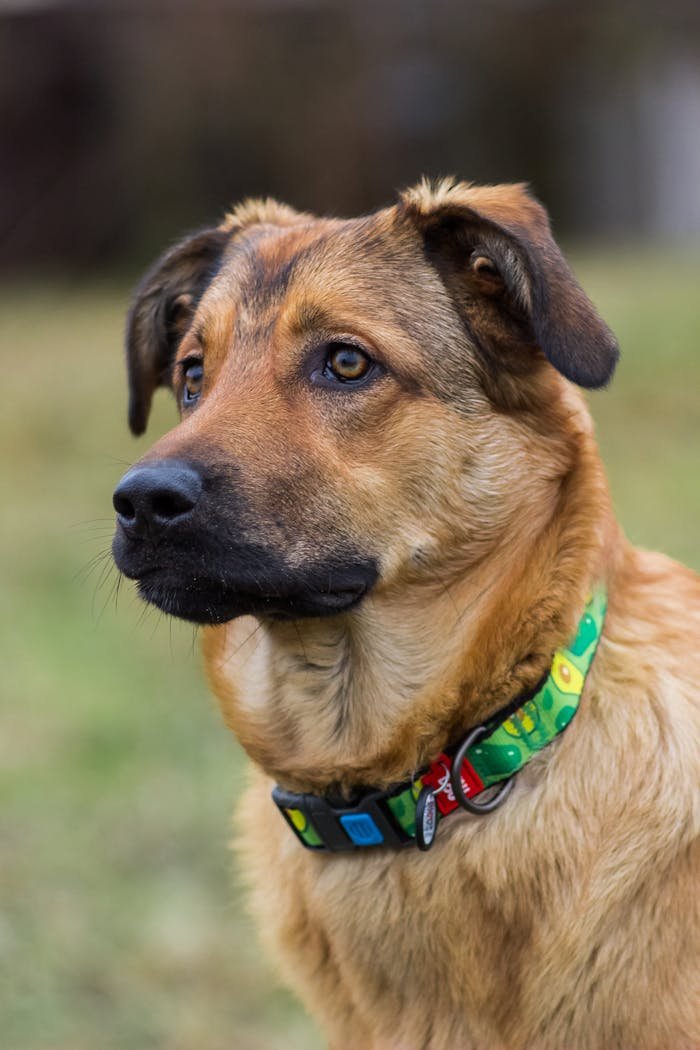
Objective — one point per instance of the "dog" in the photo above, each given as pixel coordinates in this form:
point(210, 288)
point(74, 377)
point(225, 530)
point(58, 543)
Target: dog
point(385, 504)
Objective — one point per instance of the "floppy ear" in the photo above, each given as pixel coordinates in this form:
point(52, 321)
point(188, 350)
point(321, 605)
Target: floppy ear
point(163, 304)
point(494, 248)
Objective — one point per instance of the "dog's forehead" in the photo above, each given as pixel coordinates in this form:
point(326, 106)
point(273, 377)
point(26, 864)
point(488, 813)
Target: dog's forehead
point(317, 274)
point(279, 287)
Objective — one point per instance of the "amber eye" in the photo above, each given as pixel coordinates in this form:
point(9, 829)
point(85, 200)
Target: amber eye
point(194, 374)
point(347, 363)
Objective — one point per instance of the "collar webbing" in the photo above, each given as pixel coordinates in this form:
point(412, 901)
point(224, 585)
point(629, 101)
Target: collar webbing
point(408, 814)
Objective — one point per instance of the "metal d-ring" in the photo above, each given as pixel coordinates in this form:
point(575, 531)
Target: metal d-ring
point(478, 808)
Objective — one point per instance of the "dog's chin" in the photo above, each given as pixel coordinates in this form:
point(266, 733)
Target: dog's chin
point(199, 585)
point(206, 602)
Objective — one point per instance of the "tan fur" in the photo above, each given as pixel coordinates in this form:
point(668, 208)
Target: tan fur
point(569, 918)
point(262, 210)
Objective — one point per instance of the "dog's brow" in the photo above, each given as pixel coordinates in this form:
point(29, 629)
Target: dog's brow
point(271, 263)
point(264, 279)
point(214, 327)
point(306, 316)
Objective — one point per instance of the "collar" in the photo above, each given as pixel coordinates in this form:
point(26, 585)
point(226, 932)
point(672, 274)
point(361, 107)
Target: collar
point(489, 756)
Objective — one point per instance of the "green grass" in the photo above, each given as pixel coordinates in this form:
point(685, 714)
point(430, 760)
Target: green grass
point(649, 420)
point(121, 923)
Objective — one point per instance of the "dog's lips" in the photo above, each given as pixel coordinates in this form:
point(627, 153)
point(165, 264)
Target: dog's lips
point(207, 601)
point(189, 587)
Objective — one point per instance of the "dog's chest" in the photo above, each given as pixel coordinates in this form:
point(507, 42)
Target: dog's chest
point(419, 942)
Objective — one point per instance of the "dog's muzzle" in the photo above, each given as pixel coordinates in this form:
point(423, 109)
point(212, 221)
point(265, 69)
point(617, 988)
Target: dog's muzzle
point(199, 552)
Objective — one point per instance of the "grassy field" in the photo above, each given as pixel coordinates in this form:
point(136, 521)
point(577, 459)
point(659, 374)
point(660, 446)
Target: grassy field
point(121, 923)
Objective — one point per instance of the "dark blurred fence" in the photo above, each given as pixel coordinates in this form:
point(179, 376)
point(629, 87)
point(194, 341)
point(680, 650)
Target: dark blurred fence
point(123, 124)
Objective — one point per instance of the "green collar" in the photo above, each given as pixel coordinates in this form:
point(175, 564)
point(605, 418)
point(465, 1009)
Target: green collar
point(491, 754)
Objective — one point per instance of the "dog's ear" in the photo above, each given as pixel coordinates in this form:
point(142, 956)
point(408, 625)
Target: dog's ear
point(494, 249)
point(163, 304)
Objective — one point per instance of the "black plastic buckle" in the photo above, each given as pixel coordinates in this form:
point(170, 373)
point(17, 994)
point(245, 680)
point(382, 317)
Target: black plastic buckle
point(477, 808)
point(346, 828)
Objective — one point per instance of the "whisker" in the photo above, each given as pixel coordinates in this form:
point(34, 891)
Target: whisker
point(146, 610)
point(158, 620)
point(301, 641)
point(117, 589)
point(83, 574)
point(257, 645)
point(110, 594)
point(227, 659)
point(91, 521)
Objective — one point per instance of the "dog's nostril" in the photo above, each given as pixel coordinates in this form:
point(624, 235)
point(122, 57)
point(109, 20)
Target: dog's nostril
point(171, 503)
point(124, 507)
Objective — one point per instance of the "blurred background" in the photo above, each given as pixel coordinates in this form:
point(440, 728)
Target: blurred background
point(122, 125)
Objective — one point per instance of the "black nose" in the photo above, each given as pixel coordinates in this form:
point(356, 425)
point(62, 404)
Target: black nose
point(154, 496)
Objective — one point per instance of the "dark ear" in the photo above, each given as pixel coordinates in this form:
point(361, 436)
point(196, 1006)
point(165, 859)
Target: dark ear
point(493, 244)
point(163, 304)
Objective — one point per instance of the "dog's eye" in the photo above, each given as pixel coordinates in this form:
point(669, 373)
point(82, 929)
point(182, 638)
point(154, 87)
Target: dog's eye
point(194, 374)
point(346, 363)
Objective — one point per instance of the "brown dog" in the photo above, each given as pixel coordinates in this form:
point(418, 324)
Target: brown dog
point(385, 500)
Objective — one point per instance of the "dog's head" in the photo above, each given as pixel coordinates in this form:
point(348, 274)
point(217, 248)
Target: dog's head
point(362, 401)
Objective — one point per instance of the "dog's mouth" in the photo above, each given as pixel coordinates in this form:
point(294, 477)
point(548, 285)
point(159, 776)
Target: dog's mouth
point(199, 552)
point(247, 582)
point(206, 601)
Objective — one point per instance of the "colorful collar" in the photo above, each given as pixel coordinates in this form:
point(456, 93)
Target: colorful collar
point(408, 813)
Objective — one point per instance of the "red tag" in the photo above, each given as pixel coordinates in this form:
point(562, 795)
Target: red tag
point(438, 778)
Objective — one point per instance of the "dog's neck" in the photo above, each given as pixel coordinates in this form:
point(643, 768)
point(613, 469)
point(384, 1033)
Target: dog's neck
point(369, 697)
